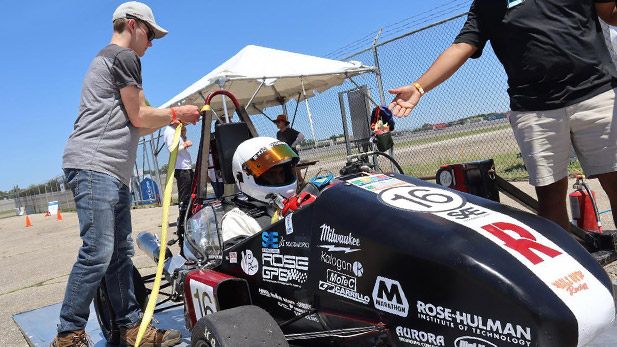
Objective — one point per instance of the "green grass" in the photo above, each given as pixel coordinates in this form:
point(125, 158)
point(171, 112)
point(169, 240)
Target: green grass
point(440, 138)
point(7, 214)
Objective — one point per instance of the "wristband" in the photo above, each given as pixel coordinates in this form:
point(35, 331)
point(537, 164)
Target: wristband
point(419, 88)
point(173, 113)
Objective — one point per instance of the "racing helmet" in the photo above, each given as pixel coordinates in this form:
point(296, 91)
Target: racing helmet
point(264, 165)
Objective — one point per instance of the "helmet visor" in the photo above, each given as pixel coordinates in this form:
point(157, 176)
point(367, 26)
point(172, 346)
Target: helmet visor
point(267, 157)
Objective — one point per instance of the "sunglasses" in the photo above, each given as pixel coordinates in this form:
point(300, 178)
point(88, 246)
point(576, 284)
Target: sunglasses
point(150, 34)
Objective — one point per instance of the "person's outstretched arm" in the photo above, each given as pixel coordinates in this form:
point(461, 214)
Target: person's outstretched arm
point(143, 116)
point(448, 62)
point(299, 139)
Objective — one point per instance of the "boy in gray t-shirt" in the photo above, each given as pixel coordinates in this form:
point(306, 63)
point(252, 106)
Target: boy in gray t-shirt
point(97, 162)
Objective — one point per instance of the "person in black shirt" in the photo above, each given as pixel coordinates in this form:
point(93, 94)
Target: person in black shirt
point(291, 137)
point(561, 85)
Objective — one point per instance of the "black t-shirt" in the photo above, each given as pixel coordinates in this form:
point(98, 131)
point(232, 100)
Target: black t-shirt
point(553, 51)
point(288, 136)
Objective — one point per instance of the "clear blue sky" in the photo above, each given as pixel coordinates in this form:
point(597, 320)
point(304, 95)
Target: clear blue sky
point(48, 46)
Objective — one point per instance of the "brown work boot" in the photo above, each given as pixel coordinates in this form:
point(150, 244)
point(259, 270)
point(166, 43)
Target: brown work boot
point(153, 337)
point(77, 338)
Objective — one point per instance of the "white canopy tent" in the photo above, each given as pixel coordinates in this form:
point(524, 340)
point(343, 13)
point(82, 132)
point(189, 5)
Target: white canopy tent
point(267, 77)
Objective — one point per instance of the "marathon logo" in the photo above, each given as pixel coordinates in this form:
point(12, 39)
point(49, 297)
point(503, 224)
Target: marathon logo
point(388, 296)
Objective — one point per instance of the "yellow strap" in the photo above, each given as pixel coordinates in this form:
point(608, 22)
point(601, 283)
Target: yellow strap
point(145, 321)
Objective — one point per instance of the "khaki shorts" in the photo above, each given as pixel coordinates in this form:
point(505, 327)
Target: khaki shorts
point(544, 138)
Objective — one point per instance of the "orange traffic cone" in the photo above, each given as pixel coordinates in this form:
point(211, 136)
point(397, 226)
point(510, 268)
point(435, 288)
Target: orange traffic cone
point(28, 224)
point(59, 216)
point(47, 214)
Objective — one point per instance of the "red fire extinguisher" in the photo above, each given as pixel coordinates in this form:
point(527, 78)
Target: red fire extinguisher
point(583, 206)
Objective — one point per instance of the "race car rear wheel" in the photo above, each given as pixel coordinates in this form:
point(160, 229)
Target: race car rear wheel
point(105, 313)
point(239, 326)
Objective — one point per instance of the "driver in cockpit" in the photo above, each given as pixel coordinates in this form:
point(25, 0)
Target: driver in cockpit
point(264, 172)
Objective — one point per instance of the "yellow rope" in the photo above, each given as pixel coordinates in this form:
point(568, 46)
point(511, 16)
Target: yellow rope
point(145, 321)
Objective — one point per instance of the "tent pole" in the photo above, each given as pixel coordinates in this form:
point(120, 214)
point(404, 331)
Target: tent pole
point(280, 99)
point(254, 95)
point(308, 111)
point(293, 120)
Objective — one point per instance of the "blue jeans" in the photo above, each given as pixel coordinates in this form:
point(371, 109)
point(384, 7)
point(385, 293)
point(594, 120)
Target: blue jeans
point(103, 209)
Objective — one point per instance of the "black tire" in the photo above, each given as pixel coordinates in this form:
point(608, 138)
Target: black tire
point(239, 326)
point(105, 313)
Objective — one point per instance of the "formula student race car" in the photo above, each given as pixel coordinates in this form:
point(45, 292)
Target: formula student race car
point(379, 260)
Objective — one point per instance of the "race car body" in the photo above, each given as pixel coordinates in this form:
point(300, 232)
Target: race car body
point(392, 260)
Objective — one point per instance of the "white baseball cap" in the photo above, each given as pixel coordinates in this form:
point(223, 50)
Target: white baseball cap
point(138, 10)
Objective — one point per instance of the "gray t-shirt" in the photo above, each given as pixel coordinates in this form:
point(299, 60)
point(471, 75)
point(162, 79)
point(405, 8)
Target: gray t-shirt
point(103, 138)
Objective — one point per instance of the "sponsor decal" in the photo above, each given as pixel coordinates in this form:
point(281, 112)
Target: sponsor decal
point(422, 199)
point(572, 283)
point(342, 285)
point(233, 257)
point(298, 242)
point(298, 308)
point(467, 213)
point(376, 183)
point(203, 299)
point(419, 338)
point(339, 264)
point(333, 248)
point(358, 269)
point(476, 324)
point(388, 296)
point(525, 244)
point(284, 269)
point(270, 241)
point(248, 263)
point(289, 228)
point(470, 341)
point(328, 234)
point(262, 150)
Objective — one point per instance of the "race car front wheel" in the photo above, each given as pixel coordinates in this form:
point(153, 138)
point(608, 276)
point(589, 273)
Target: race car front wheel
point(105, 313)
point(239, 326)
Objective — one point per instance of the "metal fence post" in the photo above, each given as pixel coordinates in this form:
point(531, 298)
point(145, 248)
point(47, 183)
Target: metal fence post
point(382, 97)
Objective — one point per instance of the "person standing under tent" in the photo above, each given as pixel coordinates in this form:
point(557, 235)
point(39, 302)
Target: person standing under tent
point(561, 84)
point(97, 162)
point(291, 137)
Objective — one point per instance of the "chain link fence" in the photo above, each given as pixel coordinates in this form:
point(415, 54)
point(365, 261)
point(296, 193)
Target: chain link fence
point(463, 119)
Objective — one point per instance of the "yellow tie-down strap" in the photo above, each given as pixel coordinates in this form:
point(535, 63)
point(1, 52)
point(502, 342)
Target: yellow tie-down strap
point(145, 321)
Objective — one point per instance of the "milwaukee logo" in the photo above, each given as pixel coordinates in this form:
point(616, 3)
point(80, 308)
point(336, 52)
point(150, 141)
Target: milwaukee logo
point(333, 248)
point(328, 235)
